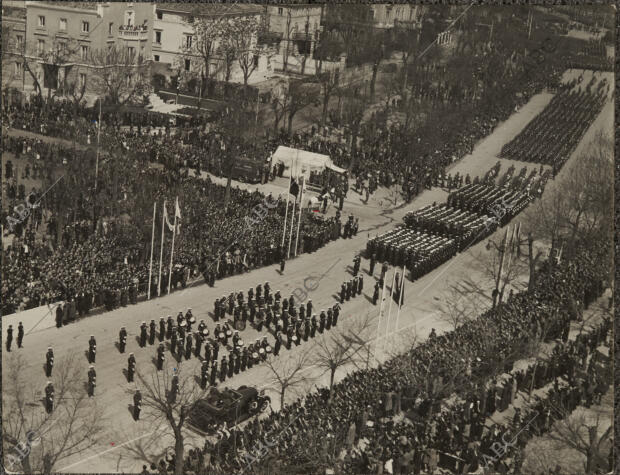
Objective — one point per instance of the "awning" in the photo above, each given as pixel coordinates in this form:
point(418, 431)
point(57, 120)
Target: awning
point(300, 161)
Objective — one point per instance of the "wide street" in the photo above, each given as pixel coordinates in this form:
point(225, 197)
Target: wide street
point(330, 266)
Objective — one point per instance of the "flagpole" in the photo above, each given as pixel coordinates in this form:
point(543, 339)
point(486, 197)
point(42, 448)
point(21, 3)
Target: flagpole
point(389, 308)
point(174, 231)
point(148, 292)
point(161, 251)
point(290, 234)
point(301, 197)
point(400, 299)
point(288, 194)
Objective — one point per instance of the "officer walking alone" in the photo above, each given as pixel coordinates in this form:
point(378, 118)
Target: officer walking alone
point(375, 295)
point(131, 367)
point(92, 381)
point(20, 335)
point(137, 405)
point(9, 337)
point(92, 349)
point(160, 357)
point(49, 397)
point(49, 362)
point(122, 339)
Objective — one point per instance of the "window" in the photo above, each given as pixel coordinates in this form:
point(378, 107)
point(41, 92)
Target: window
point(82, 80)
point(280, 10)
point(40, 46)
point(83, 51)
point(188, 41)
point(18, 67)
point(131, 51)
point(158, 37)
point(256, 61)
point(188, 64)
point(85, 27)
point(110, 28)
point(41, 21)
point(63, 24)
point(130, 18)
point(61, 46)
point(160, 15)
point(156, 58)
point(19, 41)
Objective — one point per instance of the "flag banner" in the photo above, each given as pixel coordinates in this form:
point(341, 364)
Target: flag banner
point(177, 215)
point(294, 188)
point(168, 223)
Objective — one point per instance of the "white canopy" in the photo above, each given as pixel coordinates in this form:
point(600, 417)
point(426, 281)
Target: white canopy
point(302, 162)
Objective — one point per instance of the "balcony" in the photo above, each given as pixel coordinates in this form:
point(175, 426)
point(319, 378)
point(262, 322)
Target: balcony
point(132, 32)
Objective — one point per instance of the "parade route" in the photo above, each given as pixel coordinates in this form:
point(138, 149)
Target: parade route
point(418, 316)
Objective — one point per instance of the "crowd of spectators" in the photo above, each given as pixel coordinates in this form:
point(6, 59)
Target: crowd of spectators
point(351, 427)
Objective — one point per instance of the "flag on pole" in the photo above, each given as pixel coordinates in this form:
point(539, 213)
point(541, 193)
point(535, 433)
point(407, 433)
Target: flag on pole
point(294, 188)
point(168, 223)
point(177, 215)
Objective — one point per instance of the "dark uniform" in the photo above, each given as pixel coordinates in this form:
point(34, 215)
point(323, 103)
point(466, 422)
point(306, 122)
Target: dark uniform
point(9, 337)
point(188, 346)
point(231, 365)
point(375, 295)
point(360, 285)
point(49, 397)
point(20, 335)
point(160, 357)
point(92, 381)
point(92, 349)
point(207, 351)
point(49, 362)
point(313, 327)
point(213, 374)
point(173, 340)
point(152, 332)
point(170, 325)
point(343, 292)
point(137, 405)
point(373, 260)
point(131, 367)
point(162, 329)
point(204, 374)
point(328, 321)
point(336, 310)
point(143, 335)
point(122, 339)
point(59, 314)
point(223, 369)
point(322, 318)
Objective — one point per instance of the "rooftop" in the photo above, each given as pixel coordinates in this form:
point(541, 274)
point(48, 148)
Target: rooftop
point(208, 9)
point(80, 5)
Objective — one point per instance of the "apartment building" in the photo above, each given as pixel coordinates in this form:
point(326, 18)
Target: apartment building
point(66, 33)
point(13, 44)
point(175, 51)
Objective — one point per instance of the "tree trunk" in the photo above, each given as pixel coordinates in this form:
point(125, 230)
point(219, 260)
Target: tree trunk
point(282, 391)
point(291, 115)
point(325, 105)
point(178, 452)
point(373, 80)
point(331, 380)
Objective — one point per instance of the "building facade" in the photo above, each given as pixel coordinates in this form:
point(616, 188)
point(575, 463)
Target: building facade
point(177, 43)
point(62, 37)
point(385, 15)
point(13, 44)
point(295, 29)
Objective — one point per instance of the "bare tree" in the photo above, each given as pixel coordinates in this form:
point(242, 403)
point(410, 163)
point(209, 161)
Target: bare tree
point(36, 440)
point(120, 74)
point(329, 83)
point(298, 96)
point(590, 435)
point(244, 35)
point(344, 345)
point(162, 409)
point(208, 33)
point(458, 307)
point(288, 373)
